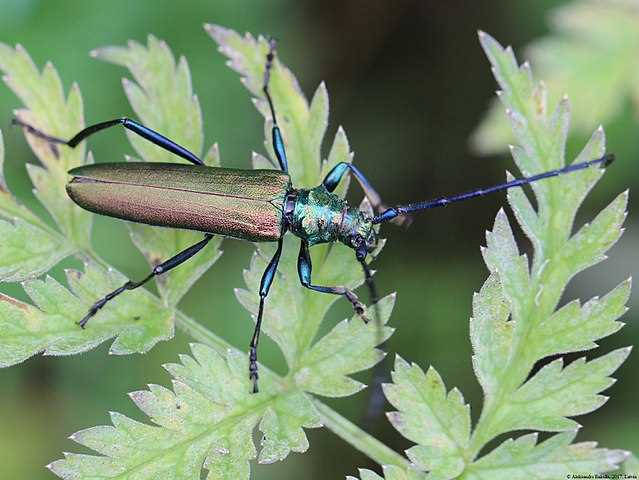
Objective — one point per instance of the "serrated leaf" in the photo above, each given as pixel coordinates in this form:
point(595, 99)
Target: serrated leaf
point(573, 328)
point(554, 458)
point(303, 125)
point(49, 325)
point(138, 320)
point(163, 99)
point(28, 251)
point(588, 246)
point(583, 33)
point(437, 420)
point(515, 323)
point(491, 334)
point(29, 246)
point(515, 328)
point(348, 348)
point(48, 110)
point(553, 393)
point(282, 426)
point(390, 473)
point(502, 258)
point(205, 422)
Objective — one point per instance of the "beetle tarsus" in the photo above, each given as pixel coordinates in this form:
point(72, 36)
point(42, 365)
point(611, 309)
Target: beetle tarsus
point(253, 375)
point(358, 306)
point(37, 133)
point(82, 323)
point(100, 303)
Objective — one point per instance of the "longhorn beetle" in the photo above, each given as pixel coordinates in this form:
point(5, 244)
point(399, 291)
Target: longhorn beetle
point(254, 205)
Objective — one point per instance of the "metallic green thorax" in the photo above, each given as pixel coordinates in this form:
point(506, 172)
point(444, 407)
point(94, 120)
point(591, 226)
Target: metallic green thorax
point(320, 216)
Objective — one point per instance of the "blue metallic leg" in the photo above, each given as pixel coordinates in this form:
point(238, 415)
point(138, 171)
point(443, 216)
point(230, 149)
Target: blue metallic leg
point(265, 285)
point(304, 269)
point(163, 267)
point(278, 141)
point(150, 135)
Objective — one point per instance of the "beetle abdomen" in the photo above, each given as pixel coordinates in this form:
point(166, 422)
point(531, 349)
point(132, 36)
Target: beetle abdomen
point(244, 204)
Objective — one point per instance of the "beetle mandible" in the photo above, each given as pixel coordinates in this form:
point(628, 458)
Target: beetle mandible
point(254, 205)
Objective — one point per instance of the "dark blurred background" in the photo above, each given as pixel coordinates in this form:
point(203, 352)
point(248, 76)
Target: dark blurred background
point(409, 82)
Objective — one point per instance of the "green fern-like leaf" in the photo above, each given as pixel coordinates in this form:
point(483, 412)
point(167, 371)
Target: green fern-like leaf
point(163, 99)
point(583, 33)
point(42, 94)
point(31, 247)
point(437, 420)
point(207, 421)
point(516, 322)
point(390, 473)
point(50, 325)
point(556, 457)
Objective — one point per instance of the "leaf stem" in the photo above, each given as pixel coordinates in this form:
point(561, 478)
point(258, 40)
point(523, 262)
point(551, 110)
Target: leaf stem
point(358, 438)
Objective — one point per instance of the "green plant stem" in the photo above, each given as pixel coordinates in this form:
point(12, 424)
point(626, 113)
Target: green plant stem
point(358, 438)
point(336, 423)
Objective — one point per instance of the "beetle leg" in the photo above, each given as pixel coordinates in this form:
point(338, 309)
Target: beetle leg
point(145, 132)
point(304, 269)
point(163, 267)
point(375, 404)
point(278, 141)
point(265, 285)
point(335, 176)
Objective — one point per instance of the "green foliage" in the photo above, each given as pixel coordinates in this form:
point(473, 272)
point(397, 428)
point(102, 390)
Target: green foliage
point(30, 247)
point(439, 422)
point(207, 420)
point(43, 96)
point(516, 323)
point(163, 99)
point(590, 53)
point(390, 473)
point(50, 325)
point(138, 320)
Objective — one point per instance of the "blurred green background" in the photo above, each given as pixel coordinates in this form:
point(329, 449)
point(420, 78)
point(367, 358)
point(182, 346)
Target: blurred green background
point(409, 83)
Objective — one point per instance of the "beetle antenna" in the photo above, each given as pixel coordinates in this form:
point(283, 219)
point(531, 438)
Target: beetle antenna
point(393, 212)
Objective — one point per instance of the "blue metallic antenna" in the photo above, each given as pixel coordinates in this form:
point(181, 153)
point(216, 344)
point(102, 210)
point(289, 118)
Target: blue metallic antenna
point(393, 212)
